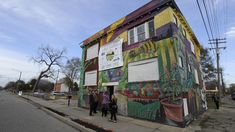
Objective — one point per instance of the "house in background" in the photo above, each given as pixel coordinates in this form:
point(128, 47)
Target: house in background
point(150, 60)
point(61, 87)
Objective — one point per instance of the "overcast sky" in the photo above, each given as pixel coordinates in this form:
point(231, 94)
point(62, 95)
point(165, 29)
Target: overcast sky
point(27, 24)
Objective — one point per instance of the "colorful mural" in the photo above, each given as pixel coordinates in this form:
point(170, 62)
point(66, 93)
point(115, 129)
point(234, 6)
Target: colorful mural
point(145, 109)
point(156, 100)
point(144, 51)
point(143, 90)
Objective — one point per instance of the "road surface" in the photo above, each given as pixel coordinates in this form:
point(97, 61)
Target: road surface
point(17, 115)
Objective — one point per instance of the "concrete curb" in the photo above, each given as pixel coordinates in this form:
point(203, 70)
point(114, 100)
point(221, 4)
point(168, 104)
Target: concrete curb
point(65, 120)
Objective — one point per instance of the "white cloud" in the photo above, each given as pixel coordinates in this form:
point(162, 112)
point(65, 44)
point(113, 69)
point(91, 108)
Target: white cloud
point(231, 32)
point(12, 63)
point(4, 37)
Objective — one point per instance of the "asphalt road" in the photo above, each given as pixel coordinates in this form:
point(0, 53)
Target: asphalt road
point(17, 115)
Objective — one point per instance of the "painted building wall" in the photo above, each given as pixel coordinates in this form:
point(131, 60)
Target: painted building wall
point(150, 99)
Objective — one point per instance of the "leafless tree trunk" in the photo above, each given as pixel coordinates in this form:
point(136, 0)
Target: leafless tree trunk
point(47, 57)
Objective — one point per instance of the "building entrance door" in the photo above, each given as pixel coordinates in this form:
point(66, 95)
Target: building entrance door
point(110, 90)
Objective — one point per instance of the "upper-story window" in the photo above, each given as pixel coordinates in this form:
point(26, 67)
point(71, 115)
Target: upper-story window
point(141, 32)
point(175, 20)
point(151, 28)
point(184, 33)
point(181, 63)
point(189, 68)
point(92, 52)
point(196, 76)
point(131, 36)
point(192, 46)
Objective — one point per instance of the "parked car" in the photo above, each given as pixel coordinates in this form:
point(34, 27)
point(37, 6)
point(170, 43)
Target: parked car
point(57, 93)
point(38, 94)
point(233, 95)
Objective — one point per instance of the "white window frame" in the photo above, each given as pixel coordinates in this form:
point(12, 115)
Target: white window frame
point(192, 46)
point(189, 68)
point(181, 65)
point(92, 50)
point(129, 35)
point(196, 76)
point(146, 29)
point(175, 20)
point(184, 33)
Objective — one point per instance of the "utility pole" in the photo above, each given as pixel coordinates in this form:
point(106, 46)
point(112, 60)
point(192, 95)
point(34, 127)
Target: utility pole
point(17, 87)
point(223, 86)
point(218, 41)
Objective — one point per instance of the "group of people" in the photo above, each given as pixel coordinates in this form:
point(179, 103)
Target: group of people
point(107, 105)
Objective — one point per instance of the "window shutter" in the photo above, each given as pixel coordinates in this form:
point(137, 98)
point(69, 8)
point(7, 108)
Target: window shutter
point(91, 78)
point(92, 52)
point(146, 70)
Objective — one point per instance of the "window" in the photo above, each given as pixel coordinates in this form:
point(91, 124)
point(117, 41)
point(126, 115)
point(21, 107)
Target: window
point(151, 28)
point(196, 76)
point(131, 36)
point(175, 20)
point(192, 46)
point(91, 78)
point(141, 32)
point(184, 33)
point(189, 68)
point(146, 70)
point(181, 62)
point(92, 52)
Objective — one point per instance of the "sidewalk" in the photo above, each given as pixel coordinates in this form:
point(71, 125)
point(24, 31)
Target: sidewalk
point(124, 124)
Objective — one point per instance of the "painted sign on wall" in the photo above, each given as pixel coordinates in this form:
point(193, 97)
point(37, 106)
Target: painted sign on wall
point(110, 55)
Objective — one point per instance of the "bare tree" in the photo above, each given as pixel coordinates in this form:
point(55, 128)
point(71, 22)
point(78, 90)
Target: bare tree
point(47, 57)
point(71, 70)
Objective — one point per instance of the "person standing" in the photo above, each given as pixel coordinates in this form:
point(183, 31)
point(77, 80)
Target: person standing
point(91, 102)
point(216, 100)
point(105, 104)
point(96, 101)
point(113, 105)
point(69, 98)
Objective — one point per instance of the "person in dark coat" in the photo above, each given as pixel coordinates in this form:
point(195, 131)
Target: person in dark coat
point(113, 109)
point(91, 102)
point(216, 100)
point(96, 101)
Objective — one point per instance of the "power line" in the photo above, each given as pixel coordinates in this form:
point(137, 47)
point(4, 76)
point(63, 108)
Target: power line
point(208, 20)
point(203, 19)
point(204, 22)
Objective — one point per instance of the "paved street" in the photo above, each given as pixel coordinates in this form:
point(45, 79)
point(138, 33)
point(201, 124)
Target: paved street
point(16, 115)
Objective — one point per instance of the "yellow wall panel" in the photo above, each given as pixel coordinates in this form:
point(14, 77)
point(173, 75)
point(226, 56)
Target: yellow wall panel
point(162, 18)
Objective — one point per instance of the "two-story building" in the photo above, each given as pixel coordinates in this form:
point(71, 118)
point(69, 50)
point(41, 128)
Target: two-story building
point(150, 60)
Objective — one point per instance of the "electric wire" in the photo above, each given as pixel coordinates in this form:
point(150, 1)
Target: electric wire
point(208, 20)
